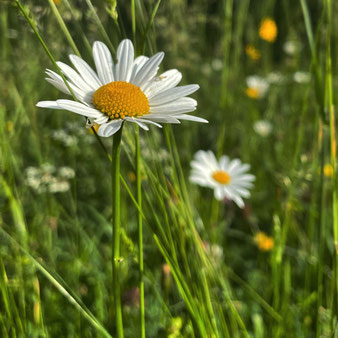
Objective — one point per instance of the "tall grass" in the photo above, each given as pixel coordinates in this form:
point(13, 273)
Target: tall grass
point(194, 258)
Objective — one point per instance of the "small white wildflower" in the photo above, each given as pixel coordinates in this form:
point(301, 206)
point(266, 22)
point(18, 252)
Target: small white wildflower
point(32, 171)
point(33, 182)
point(66, 172)
point(262, 128)
point(275, 77)
point(206, 69)
point(302, 77)
point(47, 168)
point(257, 86)
point(66, 139)
point(58, 186)
point(291, 47)
point(217, 64)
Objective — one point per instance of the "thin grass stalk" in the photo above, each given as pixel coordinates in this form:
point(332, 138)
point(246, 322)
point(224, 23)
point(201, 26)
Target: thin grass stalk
point(140, 230)
point(133, 21)
point(228, 9)
point(53, 279)
point(322, 228)
point(100, 26)
point(314, 57)
point(63, 26)
point(333, 146)
point(116, 220)
point(78, 27)
point(150, 22)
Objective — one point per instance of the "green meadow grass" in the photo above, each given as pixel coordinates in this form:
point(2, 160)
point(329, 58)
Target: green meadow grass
point(55, 248)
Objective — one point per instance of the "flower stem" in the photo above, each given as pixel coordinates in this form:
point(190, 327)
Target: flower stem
point(116, 230)
point(140, 232)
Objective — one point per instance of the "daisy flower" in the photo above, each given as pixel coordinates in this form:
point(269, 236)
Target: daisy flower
point(228, 178)
point(126, 91)
point(256, 87)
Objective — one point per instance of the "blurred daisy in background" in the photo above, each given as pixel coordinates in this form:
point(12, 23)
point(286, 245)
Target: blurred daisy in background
point(228, 178)
point(262, 128)
point(268, 30)
point(128, 91)
point(256, 87)
point(291, 47)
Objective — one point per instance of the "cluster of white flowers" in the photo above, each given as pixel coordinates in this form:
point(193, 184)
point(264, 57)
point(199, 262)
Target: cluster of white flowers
point(47, 178)
point(62, 136)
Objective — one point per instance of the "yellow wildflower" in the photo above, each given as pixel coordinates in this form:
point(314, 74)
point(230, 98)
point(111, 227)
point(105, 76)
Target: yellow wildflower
point(268, 30)
point(252, 52)
point(263, 242)
point(328, 170)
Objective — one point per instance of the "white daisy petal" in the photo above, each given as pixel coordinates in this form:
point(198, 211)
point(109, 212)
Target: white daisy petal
point(172, 94)
point(79, 108)
point(167, 80)
point(110, 128)
point(239, 201)
point(219, 194)
point(180, 106)
point(101, 120)
point(224, 162)
point(137, 121)
point(48, 104)
point(86, 72)
point(103, 62)
point(74, 77)
point(59, 85)
point(234, 165)
point(161, 118)
point(125, 59)
point(148, 71)
point(137, 65)
point(143, 121)
point(191, 118)
point(57, 81)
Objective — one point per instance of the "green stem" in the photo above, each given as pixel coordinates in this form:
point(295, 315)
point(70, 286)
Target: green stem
point(140, 232)
point(116, 230)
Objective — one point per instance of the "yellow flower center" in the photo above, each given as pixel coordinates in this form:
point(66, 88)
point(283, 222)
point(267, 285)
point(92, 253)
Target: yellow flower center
point(252, 92)
point(221, 176)
point(119, 99)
